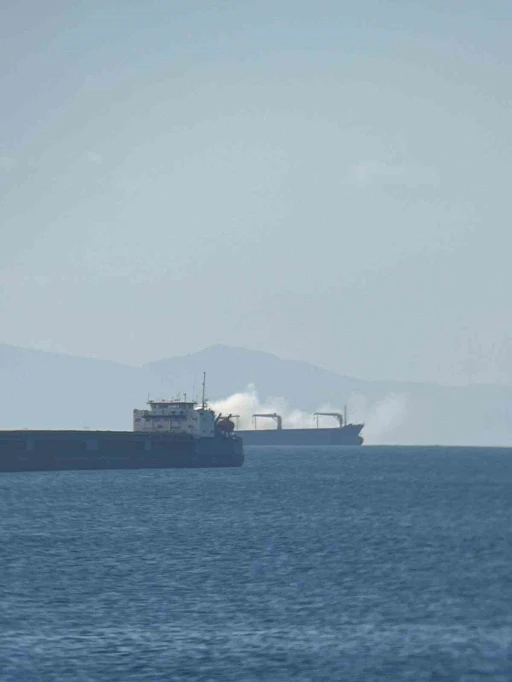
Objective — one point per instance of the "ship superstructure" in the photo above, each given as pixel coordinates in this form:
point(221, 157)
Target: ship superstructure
point(175, 416)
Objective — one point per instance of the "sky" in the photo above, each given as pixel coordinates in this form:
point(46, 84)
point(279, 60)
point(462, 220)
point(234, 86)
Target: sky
point(328, 181)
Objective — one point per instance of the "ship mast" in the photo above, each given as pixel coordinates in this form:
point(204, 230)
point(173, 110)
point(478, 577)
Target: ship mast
point(204, 389)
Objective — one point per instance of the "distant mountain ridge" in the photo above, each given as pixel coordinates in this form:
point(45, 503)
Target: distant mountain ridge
point(49, 390)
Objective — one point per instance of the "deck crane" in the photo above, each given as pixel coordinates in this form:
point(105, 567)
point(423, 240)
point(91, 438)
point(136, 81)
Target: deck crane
point(336, 415)
point(276, 417)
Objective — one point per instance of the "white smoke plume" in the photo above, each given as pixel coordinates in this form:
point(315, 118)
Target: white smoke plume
point(380, 418)
point(247, 403)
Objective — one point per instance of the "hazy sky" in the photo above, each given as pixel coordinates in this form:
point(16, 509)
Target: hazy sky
point(327, 180)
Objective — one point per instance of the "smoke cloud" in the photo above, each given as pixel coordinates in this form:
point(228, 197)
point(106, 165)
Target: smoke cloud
point(381, 417)
point(247, 403)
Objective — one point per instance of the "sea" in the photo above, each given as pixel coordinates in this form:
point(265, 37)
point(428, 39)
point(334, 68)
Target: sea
point(306, 564)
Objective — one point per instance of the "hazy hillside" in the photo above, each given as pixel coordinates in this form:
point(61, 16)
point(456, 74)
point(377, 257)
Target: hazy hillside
point(39, 389)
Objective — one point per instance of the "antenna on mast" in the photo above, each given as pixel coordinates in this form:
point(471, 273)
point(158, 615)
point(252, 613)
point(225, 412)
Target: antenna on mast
point(204, 388)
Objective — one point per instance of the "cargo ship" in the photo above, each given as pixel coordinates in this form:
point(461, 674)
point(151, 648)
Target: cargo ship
point(343, 434)
point(170, 434)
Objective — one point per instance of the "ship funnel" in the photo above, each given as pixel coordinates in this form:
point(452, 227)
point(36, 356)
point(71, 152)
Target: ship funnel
point(276, 417)
point(336, 415)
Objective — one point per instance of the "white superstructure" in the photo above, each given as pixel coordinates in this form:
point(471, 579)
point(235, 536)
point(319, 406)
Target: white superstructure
point(175, 416)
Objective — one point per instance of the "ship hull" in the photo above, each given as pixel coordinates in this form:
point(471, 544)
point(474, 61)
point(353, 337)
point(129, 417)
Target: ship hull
point(94, 450)
point(347, 435)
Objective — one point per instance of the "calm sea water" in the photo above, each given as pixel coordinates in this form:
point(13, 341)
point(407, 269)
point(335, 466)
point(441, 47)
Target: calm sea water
point(365, 564)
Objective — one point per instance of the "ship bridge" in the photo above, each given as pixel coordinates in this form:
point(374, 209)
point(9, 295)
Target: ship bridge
point(166, 416)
